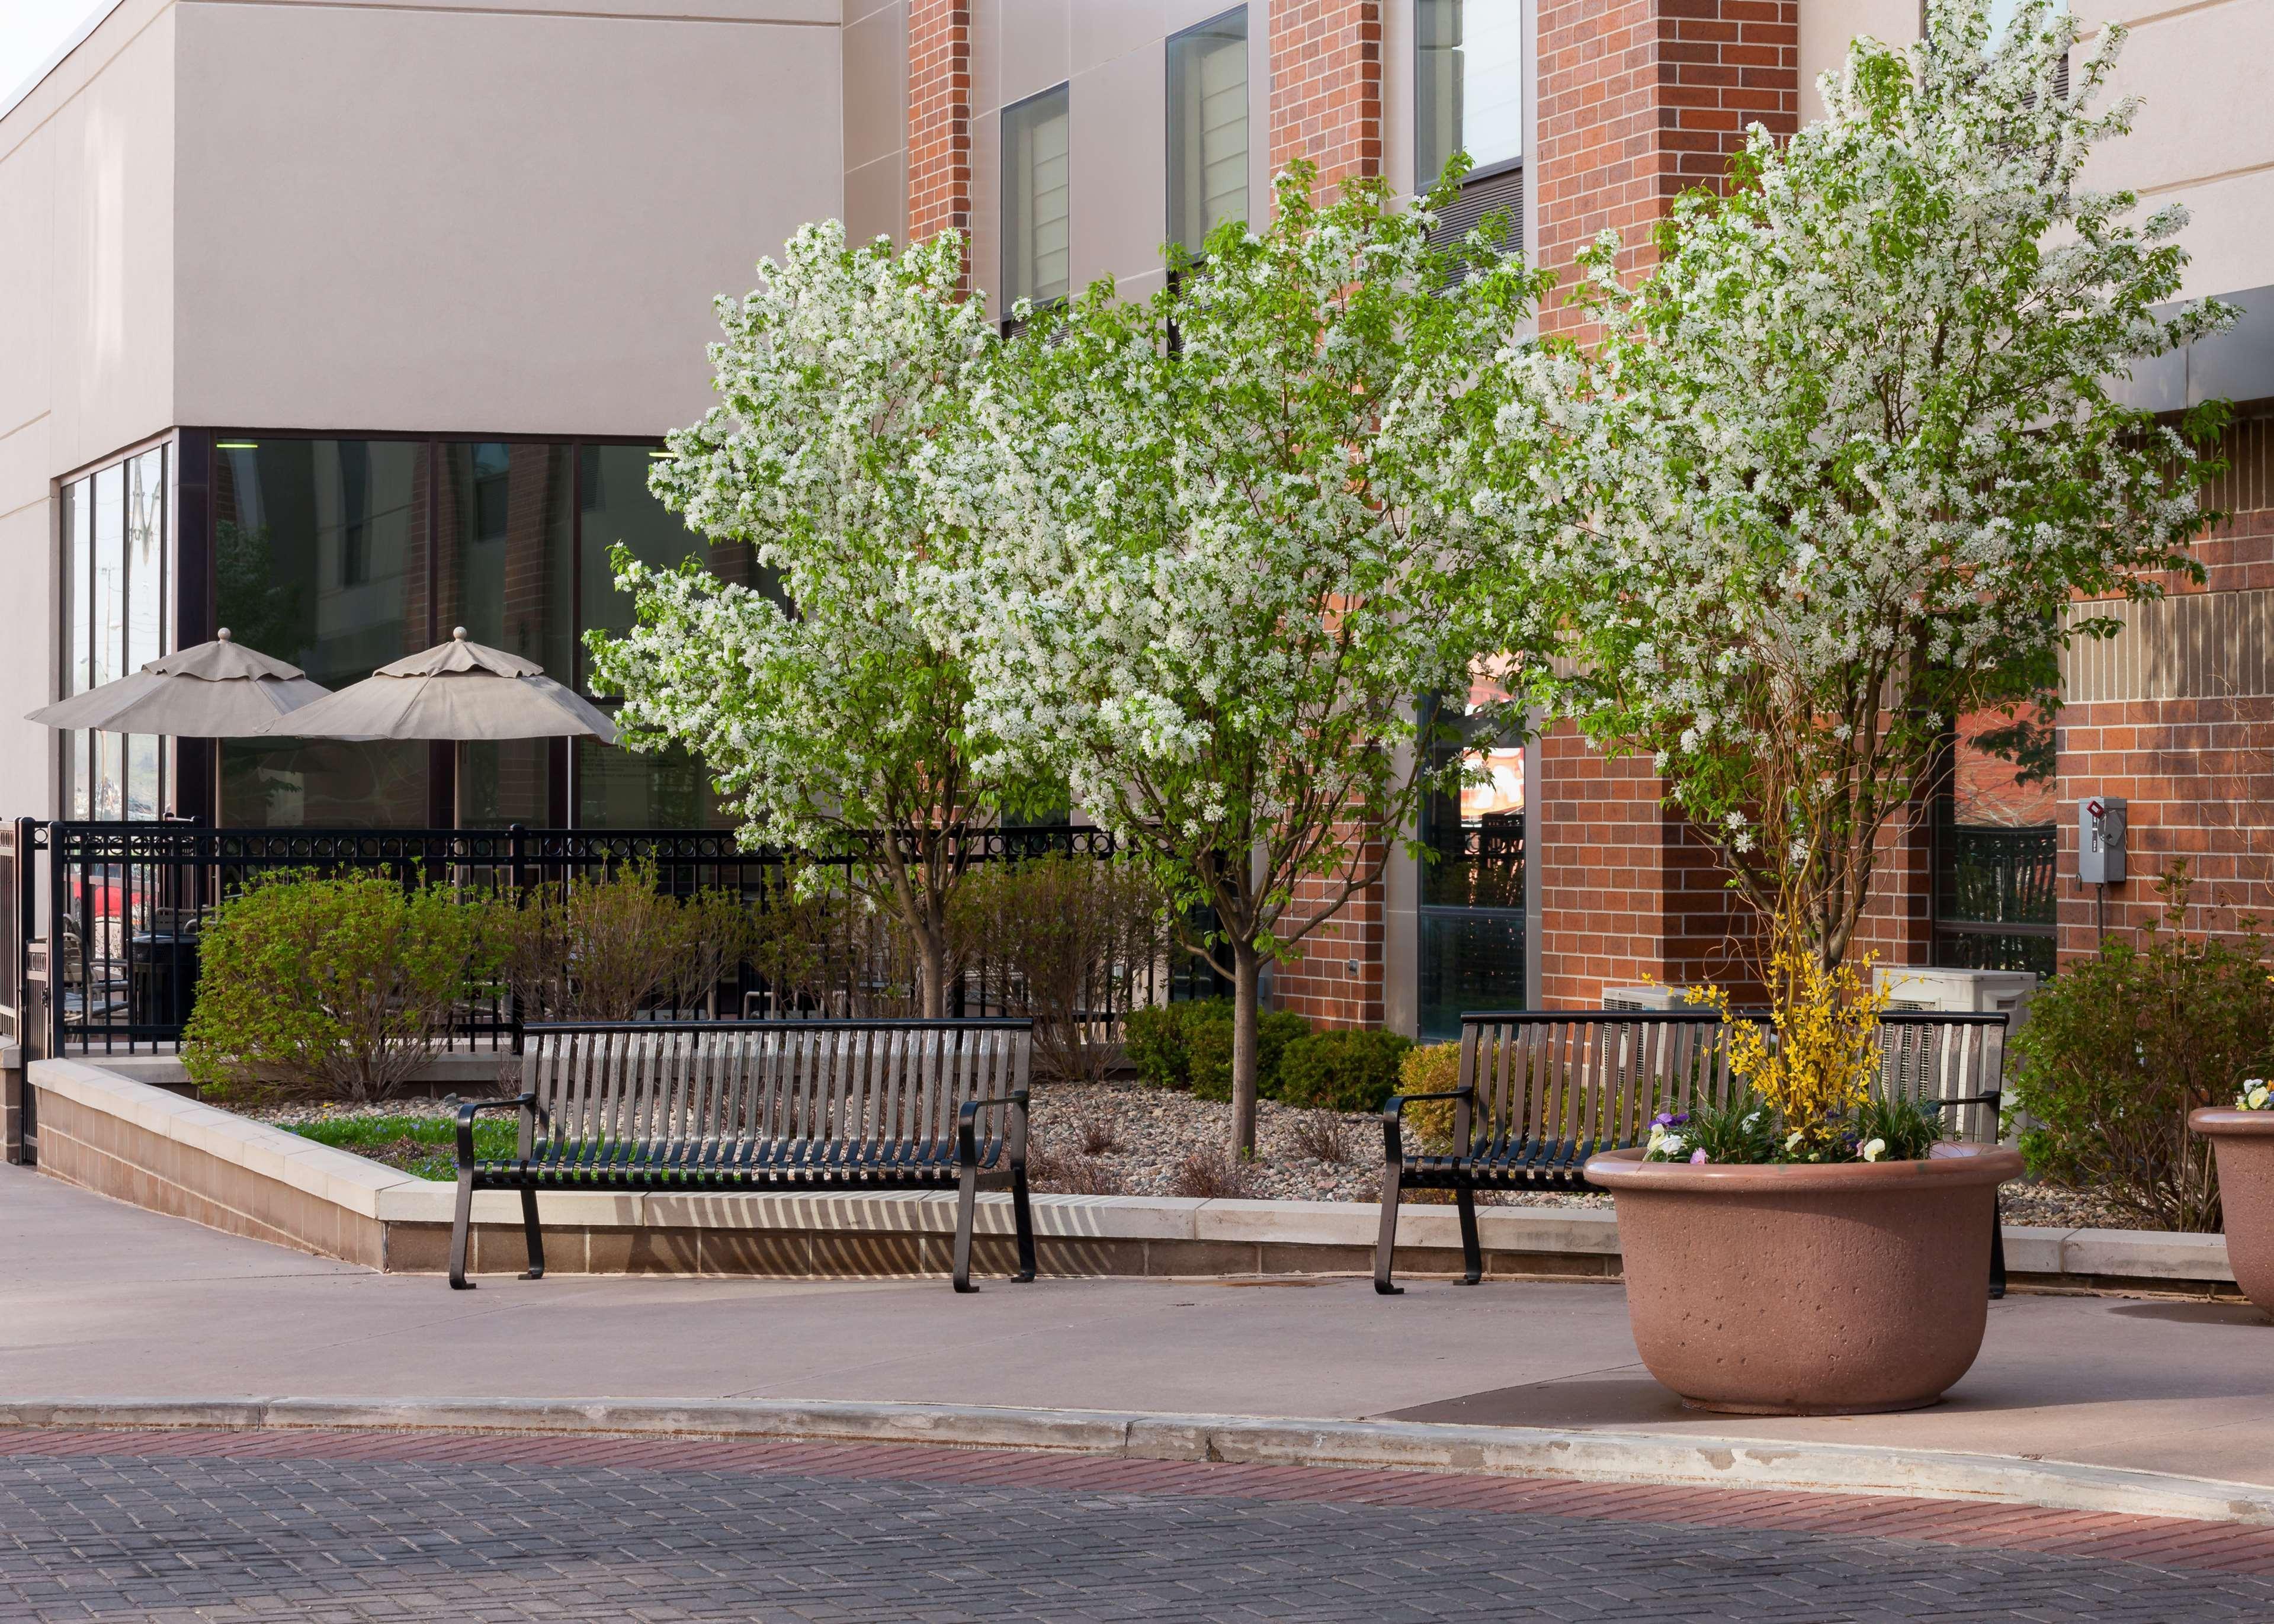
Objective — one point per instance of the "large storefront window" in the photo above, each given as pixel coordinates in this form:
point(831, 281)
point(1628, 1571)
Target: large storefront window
point(117, 602)
point(340, 555)
point(1995, 895)
point(322, 557)
point(1472, 925)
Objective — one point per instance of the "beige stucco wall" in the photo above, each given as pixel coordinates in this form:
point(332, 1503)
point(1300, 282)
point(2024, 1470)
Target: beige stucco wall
point(499, 216)
point(876, 119)
point(476, 217)
point(86, 326)
point(2205, 134)
point(1111, 54)
point(1825, 28)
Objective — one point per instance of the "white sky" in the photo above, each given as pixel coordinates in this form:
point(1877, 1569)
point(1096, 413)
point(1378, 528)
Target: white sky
point(31, 31)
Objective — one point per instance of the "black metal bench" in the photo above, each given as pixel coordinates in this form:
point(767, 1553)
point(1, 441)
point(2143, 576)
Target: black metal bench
point(738, 1106)
point(1541, 1090)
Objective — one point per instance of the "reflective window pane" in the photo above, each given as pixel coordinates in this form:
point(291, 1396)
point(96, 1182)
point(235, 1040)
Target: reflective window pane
point(1468, 83)
point(323, 784)
point(1035, 197)
point(618, 509)
point(509, 781)
point(619, 789)
point(109, 577)
point(1208, 128)
point(321, 558)
point(503, 517)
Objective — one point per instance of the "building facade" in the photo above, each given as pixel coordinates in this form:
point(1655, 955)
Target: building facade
point(346, 321)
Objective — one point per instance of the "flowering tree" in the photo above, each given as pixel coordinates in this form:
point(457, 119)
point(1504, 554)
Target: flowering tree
point(1243, 556)
point(844, 450)
point(1837, 471)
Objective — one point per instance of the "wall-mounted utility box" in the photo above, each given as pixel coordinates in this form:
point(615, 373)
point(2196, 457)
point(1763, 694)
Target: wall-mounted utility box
point(2100, 840)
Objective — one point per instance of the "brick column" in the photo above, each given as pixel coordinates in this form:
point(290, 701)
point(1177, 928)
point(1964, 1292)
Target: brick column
point(1326, 86)
point(939, 118)
point(1640, 100)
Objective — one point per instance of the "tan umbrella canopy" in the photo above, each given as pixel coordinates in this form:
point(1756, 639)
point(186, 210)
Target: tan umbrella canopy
point(456, 690)
point(217, 690)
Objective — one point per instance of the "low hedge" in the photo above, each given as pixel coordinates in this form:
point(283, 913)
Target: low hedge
point(1345, 1071)
point(1188, 1045)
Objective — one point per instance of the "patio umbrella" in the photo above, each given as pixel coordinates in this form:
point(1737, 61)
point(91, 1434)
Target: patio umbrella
point(455, 691)
point(217, 690)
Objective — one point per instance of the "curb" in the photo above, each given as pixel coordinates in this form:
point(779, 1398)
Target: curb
point(1508, 1452)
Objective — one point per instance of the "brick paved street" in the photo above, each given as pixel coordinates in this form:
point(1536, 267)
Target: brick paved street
point(353, 1527)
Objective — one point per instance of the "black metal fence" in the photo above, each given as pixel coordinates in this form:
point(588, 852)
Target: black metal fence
point(129, 903)
point(1998, 902)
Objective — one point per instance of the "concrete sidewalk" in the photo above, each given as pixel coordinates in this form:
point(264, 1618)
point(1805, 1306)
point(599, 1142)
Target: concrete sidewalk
point(98, 1298)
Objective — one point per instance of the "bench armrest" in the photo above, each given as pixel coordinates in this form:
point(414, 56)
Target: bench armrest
point(467, 1112)
point(1393, 1136)
point(966, 1127)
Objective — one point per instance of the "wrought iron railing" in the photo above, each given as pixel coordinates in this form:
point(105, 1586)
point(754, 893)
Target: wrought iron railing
point(1997, 906)
point(130, 902)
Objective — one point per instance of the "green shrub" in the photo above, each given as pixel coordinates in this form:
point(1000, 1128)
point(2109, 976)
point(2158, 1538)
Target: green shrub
point(1347, 1071)
point(1430, 1068)
point(606, 948)
point(1210, 1039)
point(1188, 1045)
point(2123, 1045)
point(1154, 1038)
point(332, 986)
point(1069, 930)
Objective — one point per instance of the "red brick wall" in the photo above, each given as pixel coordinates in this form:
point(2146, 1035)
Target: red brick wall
point(1628, 894)
point(1326, 86)
point(1321, 985)
point(2196, 764)
point(939, 118)
point(1638, 101)
point(1642, 99)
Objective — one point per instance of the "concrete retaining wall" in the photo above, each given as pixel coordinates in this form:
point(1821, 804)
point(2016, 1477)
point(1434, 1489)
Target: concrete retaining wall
point(141, 1142)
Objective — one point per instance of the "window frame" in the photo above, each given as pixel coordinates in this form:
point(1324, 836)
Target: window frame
point(1063, 92)
point(1170, 196)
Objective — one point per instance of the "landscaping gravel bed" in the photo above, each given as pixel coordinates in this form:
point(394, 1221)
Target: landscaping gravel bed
point(1124, 1138)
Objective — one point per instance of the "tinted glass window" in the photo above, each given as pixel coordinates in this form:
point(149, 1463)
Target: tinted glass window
point(1468, 83)
point(321, 558)
point(1036, 196)
point(1208, 128)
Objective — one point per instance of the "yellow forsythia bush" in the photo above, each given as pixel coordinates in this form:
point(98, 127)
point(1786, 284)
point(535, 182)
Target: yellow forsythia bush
point(1432, 1068)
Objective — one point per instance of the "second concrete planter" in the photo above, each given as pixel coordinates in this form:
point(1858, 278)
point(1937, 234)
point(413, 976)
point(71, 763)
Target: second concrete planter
point(1802, 1289)
point(2243, 1141)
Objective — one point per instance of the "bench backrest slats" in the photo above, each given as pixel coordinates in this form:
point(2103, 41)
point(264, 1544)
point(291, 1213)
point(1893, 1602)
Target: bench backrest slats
point(1568, 1080)
point(793, 1092)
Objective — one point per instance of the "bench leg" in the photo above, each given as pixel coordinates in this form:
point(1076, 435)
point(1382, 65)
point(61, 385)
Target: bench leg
point(1998, 1248)
point(459, 1227)
point(1023, 1216)
point(1382, 1248)
point(1472, 1256)
point(533, 1234)
point(966, 1202)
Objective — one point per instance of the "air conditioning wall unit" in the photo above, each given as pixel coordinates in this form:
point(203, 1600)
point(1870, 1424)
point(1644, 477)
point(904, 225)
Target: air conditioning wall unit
point(1958, 992)
point(1646, 998)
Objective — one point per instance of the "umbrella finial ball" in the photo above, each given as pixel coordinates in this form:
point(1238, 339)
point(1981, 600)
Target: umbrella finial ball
point(458, 632)
point(224, 633)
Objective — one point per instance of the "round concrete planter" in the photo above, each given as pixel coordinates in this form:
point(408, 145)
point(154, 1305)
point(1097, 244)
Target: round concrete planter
point(1807, 1291)
point(2244, 1144)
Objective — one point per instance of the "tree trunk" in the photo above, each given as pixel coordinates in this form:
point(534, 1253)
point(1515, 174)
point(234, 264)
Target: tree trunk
point(931, 970)
point(1246, 967)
